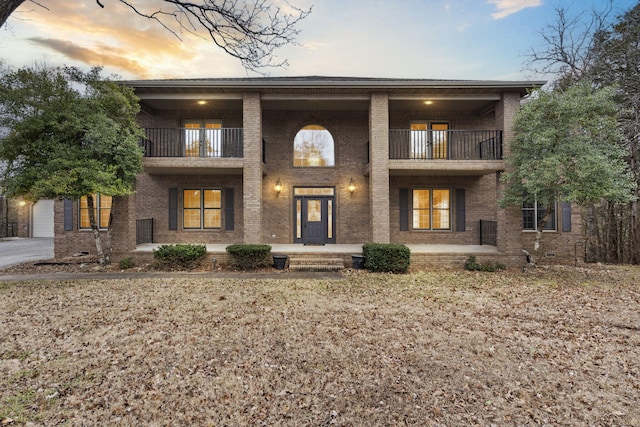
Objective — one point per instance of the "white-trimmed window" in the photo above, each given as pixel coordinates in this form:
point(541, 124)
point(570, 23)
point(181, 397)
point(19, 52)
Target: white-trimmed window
point(202, 208)
point(432, 209)
point(101, 209)
point(429, 140)
point(313, 146)
point(532, 214)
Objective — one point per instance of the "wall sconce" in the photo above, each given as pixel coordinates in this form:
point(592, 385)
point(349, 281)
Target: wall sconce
point(278, 186)
point(22, 203)
point(352, 186)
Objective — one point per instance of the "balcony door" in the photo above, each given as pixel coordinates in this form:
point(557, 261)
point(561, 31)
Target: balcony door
point(314, 215)
point(429, 140)
point(202, 138)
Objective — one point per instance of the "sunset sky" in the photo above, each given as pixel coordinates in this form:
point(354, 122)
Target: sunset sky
point(448, 39)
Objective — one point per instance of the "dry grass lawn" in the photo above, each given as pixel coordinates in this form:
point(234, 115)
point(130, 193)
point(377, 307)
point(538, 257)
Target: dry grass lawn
point(558, 346)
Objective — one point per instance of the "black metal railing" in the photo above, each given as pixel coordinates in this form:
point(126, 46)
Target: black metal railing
point(144, 231)
point(8, 229)
point(445, 144)
point(186, 142)
point(488, 232)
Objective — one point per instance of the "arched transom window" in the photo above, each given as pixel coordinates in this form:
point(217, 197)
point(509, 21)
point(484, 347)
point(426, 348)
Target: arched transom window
point(313, 147)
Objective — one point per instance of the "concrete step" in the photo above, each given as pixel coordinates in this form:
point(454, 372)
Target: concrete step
point(315, 263)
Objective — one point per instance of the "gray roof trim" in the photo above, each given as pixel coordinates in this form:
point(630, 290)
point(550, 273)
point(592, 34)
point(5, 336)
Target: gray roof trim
point(314, 82)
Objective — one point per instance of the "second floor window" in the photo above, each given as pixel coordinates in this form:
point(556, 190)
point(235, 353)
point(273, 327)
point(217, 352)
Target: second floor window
point(313, 147)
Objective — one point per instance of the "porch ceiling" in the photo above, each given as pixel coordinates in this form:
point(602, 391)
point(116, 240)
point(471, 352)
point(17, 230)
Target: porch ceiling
point(443, 101)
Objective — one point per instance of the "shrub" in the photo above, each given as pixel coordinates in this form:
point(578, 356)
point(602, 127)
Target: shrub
point(179, 256)
point(247, 257)
point(472, 265)
point(125, 263)
point(385, 257)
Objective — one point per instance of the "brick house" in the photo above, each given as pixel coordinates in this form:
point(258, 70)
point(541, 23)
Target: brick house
point(326, 161)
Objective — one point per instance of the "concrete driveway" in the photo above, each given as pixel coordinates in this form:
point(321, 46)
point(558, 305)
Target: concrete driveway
point(15, 250)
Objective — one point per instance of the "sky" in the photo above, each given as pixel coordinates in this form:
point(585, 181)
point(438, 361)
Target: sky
point(426, 39)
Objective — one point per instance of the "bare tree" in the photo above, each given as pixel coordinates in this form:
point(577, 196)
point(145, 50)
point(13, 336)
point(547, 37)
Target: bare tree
point(247, 30)
point(567, 49)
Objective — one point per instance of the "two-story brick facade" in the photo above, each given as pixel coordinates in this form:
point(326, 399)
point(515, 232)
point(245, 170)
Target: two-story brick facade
point(315, 160)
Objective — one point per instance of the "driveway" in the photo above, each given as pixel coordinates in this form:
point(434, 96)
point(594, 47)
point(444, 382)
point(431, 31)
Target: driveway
point(16, 250)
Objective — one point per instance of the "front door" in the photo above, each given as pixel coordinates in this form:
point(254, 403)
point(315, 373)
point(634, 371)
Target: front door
point(314, 219)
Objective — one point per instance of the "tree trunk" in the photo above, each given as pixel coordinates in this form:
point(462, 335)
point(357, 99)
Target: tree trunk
point(107, 245)
point(95, 229)
point(539, 229)
point(6, 9)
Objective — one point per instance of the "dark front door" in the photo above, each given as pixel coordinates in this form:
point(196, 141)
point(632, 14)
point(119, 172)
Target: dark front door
point(314, 220)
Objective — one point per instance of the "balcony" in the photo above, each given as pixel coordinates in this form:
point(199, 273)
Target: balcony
point(188, 142)
point(445, 152)
point(193, 150)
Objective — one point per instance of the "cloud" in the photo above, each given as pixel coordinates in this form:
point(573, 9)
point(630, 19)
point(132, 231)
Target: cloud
point(106, 55)
point(509, 7)
point(114, 37)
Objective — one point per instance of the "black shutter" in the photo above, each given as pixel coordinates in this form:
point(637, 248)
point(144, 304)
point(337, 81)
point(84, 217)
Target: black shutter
point(404, 209)
point(566, 216)
point(68, 215)
point(460, 210)
point(173, 209)
point(228, 208)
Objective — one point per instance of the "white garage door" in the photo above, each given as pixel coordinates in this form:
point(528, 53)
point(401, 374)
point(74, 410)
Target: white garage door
point(43, 218)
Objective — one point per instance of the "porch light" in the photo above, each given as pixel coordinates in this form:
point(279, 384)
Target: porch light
point(278, 186)
point(352, 186)
point(22, 203)
point(202, 102)
point(428, 102)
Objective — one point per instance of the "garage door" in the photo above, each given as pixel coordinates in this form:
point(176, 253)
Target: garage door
point(43, 218)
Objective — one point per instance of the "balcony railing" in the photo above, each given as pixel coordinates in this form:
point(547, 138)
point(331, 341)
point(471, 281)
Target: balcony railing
point(445, 144)
point(186, 142)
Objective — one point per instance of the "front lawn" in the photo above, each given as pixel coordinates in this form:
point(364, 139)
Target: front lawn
point(558, 346)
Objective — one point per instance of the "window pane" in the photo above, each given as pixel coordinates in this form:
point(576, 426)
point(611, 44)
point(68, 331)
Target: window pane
point(191, 218)
point(439, 136)
point(441, 211)
point(313, 191)
point(313, 146)
point(105, 210)
point(314, 213)
point(421, 209)
point(419, 140)
point(298, 219)
point(330, 219)
point(421, 199)
point(212, 198)
point(213, 140)
point(421, 219)
point(212, 218)
point(191, 198)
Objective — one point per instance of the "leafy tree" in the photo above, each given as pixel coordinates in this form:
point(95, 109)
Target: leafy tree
point(247, 30)
point(602, 52)
point(566, 148)
point(70, 134)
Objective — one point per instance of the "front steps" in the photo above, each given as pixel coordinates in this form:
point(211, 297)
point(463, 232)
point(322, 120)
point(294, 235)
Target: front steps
point(316, 262)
